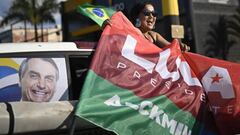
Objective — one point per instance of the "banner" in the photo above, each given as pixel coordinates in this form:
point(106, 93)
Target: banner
point(221, 82)
point(133, 87)
point(97, 13)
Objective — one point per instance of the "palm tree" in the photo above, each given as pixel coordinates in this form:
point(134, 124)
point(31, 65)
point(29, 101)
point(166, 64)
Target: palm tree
point(34, 12)
point(48, 7)
point(217, 43)
point(234, 25)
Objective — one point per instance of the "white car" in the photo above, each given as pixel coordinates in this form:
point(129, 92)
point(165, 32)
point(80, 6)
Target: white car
point(22, 114)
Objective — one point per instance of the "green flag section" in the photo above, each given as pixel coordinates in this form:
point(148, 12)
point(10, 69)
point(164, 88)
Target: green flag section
point(135, 88)
point(97, 13)
point(123, 112)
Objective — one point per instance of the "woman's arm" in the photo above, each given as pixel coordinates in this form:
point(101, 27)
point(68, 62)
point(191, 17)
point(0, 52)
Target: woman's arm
point(163, 42)
point(160, 41)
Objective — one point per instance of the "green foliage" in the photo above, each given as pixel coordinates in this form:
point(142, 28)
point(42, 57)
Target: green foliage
point(34, 12)
point(217, 42)
point(223, 35)
point(233, 26)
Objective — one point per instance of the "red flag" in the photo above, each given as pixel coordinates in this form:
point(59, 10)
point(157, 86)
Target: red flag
point(221, 81)
point(134, 87)
point(161, 72)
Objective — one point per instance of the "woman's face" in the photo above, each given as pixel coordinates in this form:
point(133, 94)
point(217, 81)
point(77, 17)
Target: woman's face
point(147, 18)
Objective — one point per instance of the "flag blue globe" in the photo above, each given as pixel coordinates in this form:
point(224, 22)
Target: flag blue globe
point(98, 12)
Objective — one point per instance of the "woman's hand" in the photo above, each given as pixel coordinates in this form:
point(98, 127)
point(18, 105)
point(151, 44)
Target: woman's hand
point(184, 47)
point(105, 23)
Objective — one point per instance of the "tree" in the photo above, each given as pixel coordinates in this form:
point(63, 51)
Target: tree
point(233, 25)
point(34, 12)
point(217, 43)
point(48, 7)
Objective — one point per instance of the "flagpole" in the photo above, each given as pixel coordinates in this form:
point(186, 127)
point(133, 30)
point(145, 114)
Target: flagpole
point(73, 125)
point(74, 119)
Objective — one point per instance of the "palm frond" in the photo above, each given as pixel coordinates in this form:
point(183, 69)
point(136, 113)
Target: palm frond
point(234, 32)
point(217, 43)
point(233, 25)
point(33, 11)
point(12, 17)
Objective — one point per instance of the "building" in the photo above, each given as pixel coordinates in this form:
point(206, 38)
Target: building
point(15, 35)
point(205, 15)
point(196, 16)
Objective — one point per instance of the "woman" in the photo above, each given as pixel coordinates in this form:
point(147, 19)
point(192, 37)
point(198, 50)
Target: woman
point(143, 16)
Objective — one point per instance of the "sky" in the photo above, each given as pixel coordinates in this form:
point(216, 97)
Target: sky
point(4, 6)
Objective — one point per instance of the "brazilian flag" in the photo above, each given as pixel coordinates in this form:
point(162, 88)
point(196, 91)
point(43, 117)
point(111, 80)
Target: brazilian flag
point(97, 13)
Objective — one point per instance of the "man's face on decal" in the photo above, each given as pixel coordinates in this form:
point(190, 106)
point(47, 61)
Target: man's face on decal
point(38, 81)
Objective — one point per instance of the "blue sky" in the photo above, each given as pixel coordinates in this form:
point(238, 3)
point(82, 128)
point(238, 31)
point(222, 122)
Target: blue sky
point(4, 6)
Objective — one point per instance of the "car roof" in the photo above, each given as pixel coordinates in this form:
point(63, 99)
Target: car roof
point(41, 47)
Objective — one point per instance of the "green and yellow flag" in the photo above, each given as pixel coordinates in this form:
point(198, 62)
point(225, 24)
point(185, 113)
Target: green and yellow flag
point(97, 13)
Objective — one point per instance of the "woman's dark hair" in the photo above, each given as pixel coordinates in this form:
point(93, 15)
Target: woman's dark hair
point(136, 10)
